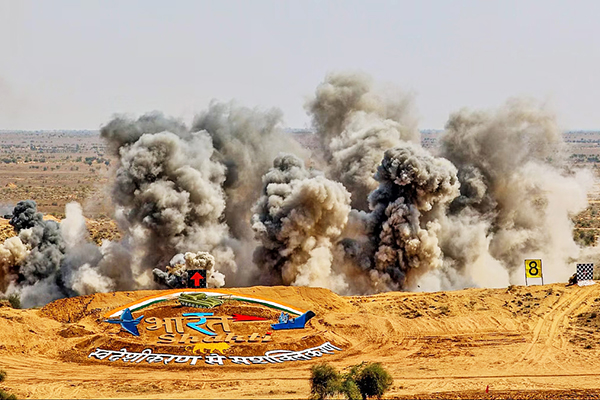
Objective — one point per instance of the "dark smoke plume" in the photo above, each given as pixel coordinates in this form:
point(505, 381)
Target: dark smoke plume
point(414, 188)
point(245, 142)
point(41, 252)
point(501, 193)
point(168, 191)
point(356, 124)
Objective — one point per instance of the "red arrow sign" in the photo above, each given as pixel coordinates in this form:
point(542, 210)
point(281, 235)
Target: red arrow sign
point(196, 278)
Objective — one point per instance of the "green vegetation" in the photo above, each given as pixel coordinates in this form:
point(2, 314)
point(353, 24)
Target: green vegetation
point(585, 237)
point(364, 380)
point(373, 380)
point(7, 396)
point(4, 395)
point(324, 381)
point(14, 300)
point(99, 160)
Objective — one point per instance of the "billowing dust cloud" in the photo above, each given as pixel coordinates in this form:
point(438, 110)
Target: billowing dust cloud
point(168, 191)
point(356, 124)
point(517, 196)
point(370, 210)
point(246, 142)
point(298, 220)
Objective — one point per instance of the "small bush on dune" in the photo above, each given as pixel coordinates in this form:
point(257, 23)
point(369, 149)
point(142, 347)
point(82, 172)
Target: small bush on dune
point(349, 386)
point(350, 389)
point(14, 300)
point(361, 381)
point(4, 395)
point(7, 396)
point(373, 380)
point(324, 381)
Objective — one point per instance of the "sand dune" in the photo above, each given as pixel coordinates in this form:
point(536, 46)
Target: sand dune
point(529, 339)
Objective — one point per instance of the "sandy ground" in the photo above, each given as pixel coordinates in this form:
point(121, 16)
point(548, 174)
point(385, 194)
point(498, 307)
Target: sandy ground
point(522, 342)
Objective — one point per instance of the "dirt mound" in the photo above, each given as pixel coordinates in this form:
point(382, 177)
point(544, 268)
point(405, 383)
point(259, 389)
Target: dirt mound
point(74, 309)
point(539, 339)
point(74, 331)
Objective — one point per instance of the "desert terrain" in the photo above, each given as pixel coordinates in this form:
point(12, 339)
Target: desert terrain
point(522, 342)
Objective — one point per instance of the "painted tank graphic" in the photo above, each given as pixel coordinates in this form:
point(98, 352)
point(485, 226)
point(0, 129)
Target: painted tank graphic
point(199, 300)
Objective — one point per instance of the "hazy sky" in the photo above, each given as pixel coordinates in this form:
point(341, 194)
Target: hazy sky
point(72, 64)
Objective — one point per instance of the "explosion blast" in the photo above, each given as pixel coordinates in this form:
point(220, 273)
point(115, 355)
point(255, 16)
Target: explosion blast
point(382, 214)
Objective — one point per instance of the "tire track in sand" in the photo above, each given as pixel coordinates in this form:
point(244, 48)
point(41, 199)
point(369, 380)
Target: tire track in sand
point(550, 323)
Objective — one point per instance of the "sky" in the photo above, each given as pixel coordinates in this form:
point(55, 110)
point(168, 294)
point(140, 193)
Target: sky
point(74, 64)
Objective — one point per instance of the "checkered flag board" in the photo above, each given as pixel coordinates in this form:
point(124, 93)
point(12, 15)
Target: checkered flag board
point(585, 272)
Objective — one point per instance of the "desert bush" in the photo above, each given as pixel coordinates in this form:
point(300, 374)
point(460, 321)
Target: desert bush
point(7, 396)
point(4, 395)
point(14, 300)
point(373, 380)
point(361, 381)
point(350, 389)
point(324, 381)
point(584, 237)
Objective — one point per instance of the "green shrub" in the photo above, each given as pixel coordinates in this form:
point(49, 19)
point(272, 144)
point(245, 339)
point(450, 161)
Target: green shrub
point(361, 381)
point(14, 300)
point(4, 395)
point(324, 381)
point(373, 380)
point(350, 389)
point(7, 396)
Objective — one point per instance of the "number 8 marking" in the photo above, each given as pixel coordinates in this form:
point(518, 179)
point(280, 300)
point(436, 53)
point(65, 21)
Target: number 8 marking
point(533, 267)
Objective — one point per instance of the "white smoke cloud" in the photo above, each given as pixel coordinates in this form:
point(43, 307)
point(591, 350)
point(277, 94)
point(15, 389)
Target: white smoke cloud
point(87, 280)
point(12, 252)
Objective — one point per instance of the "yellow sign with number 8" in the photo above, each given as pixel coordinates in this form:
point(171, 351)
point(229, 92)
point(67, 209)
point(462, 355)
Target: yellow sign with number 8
point(533, 268)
